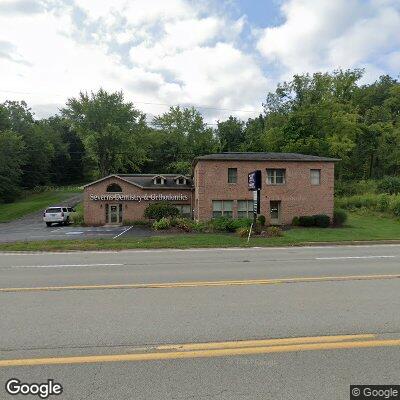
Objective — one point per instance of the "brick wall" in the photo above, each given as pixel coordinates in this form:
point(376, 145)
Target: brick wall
point(297, 195)
point(95, 210)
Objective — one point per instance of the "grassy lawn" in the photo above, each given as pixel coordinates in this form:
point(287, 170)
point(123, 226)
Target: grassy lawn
point(32, 203)
point(359, 227)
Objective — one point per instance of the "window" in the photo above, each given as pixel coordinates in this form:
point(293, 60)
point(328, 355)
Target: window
point(184, 209)
point(276, 176)
point(315, 176)
point(114, 188)
point(222, 208)
point(245, 208)
point(159, 180)
point(180, 180)
point(232, 175)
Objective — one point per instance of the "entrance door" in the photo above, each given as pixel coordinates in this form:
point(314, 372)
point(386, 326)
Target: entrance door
point(275, 212)
point(114, 213)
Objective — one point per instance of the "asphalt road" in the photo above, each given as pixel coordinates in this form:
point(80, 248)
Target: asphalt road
point(179, 324)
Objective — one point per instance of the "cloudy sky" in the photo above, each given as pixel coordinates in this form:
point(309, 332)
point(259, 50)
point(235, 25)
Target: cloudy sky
point(221, 56)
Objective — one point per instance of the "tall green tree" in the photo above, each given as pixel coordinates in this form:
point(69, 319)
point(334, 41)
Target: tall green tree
point(11, 160)
point(231, 134)
point(179, 135)
point(110, 128)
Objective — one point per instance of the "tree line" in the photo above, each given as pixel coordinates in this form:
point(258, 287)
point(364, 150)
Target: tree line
point(95, 134)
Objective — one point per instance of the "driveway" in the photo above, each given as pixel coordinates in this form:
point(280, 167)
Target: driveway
point(31, 227)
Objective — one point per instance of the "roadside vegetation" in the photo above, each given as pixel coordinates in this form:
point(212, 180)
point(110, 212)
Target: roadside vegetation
point(34, 201)
point(359, 227)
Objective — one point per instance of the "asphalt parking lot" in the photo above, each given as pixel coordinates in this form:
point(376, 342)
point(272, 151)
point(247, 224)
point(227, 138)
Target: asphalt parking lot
point(32, 228)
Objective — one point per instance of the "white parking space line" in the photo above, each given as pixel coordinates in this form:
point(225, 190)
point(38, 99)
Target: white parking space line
point(126, 230)
point(65, 265)
point(351, 257)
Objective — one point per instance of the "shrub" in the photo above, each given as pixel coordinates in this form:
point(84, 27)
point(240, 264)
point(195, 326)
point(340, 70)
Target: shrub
point(274, 231)
point(351, 188)
point(163, 223)
point(261, 220)
point(383, 203)
point(183, 223)
point(368, 201)
point(77, 217)
point(339, 217)
point(243, 231)
point(229, 224)
point(306, 220)
point(395, 206)
point(321, 220)
point(138, 222)
point(390, 185)
point(296, 221)
point(160, 210)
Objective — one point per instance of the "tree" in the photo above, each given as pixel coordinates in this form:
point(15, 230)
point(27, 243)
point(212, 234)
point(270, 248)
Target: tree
point(179, 135)
point(38, 150)
point(11, 160)
point(230, 134)
point(110, 129)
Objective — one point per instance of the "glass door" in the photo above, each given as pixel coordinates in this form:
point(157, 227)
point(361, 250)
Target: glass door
point(275, 212)
point(114, 214)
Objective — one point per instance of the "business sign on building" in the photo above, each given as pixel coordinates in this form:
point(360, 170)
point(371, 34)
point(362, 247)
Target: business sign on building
point(254, 180)
point(139, 198)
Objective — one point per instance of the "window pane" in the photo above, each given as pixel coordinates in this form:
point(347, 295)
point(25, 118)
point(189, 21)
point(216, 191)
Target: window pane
point(315, 176)
point(232, 175)
point(228, 205)
point(217, 214)
point(242, 214)
point(228, 214)
point(242, 205)
point(217, 205)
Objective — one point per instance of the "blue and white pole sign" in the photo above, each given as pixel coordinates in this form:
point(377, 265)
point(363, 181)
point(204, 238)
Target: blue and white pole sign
point(254, 180)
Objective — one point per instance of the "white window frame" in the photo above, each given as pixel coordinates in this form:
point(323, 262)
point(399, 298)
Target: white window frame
point(312, 177)
point(184, 214)
point(235, 175)
point(249, 208)
point(224, 211)
point(271, 178)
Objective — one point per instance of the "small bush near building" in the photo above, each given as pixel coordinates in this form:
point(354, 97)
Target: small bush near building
point(163, 223)
point(339, 217)
point(160, 210)
point(138, 222)
point(229, 224)
point(77, 218)
point(306, 220)
point(390, 185)
point(296, 221)
point(274, 231)
point(185, 224)
point(243, 232)
point(322, 220)
point(261, 220)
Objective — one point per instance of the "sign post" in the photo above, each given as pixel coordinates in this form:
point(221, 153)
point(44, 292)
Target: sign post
point(254, 185)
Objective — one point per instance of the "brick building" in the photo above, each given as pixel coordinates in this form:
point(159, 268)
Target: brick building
point(293, 185)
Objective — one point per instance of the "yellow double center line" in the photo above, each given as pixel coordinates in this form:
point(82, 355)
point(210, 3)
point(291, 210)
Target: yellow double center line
point(165, 285)
point(218, 349)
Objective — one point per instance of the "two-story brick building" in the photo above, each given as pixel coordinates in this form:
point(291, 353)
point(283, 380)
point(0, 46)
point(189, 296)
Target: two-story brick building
point(293, 185)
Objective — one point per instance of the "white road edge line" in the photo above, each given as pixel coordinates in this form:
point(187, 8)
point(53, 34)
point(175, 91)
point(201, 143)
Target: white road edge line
point(351, 257)
point(126, 230)
point(63, 265)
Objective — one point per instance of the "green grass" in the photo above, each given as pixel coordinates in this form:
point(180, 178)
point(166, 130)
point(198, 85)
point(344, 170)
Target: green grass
point(32, 203)
point(359, 228)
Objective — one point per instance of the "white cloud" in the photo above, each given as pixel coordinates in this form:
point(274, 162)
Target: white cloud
point(155, 51)
point(325, 34)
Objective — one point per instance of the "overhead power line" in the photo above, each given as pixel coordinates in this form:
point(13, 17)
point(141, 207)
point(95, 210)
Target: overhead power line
point(204, 107)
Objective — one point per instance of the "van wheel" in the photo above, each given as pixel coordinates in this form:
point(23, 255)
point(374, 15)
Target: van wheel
point(48, 223)
point(67, 221)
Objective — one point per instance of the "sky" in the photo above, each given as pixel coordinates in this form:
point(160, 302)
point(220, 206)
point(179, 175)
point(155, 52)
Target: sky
point(221, 56)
